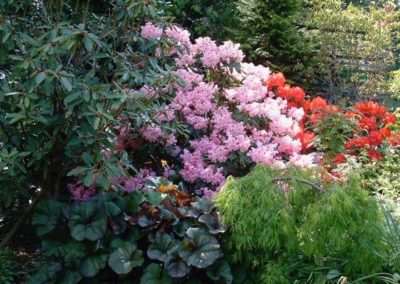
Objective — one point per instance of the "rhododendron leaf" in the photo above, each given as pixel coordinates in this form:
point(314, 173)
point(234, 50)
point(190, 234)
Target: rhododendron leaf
point(161, 248)
point(204, 249)
point(212, 222)
point(125, 258)
point(77, 171)
point(87, 181)
point(85, 223)
point(176, 267)
point(204, 205)
point(154, 274)
point(220, 270)
point(90, 266)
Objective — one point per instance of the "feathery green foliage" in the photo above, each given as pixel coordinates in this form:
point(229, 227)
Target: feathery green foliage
point(293, 225)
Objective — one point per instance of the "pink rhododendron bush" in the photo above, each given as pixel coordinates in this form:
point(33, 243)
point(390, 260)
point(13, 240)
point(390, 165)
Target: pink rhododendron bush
point(217, 119)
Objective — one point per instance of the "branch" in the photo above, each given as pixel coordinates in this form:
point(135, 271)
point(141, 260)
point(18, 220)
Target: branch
point(313, 185)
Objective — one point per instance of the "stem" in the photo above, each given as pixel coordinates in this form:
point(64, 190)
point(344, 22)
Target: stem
point(313, 185)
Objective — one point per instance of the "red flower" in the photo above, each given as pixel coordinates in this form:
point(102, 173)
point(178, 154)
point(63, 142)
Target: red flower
point(276, 80)
point(318, 103)
point(306, 139)
point(389, 118)
point(283, 92)
point(339, 159)
point(370, 108)
point(357, 142)
point(368, 123)
point(395, 141)
point(316, 117)
point(306, 106)
point(332, 109)
point(351, 114)
point(386, 133)
point(297, 94)
point(292, 104)
point(375, 138)
point(374, 155)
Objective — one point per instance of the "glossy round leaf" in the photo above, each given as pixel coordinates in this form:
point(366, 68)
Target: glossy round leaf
point(92, 265)
point(154, 274)
point(160, 249)
point(204, 250)
point(176, 267)
point(125, 258)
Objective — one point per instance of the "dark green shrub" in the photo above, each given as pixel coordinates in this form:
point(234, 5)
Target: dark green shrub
point(289, 229)
point(204, 18)
point(270, 32)
point(162, 235)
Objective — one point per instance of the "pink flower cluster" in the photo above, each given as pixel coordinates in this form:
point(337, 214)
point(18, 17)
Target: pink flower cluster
point(139, 181)
point(241, 118)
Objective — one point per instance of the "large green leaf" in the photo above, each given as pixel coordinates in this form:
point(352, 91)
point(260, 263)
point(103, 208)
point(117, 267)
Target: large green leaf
point(86, 223)
point(46, 274)
point(212, 222)
point(90, 266)
point(125, 258)
point(204, 205)
point(47, 216)
point(176, 266)
point(73, 251)
point(153, 197)
point(112, 209)
point(220, 270)
point(161, 248)
point(154, 274)
point(181, 228)
point(71, 277)
point(200, 248)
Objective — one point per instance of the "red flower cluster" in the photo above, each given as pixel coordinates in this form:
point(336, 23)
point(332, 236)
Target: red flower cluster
point(371, 118)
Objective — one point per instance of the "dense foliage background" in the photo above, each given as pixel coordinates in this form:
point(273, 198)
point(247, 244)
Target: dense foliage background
point(130, 133)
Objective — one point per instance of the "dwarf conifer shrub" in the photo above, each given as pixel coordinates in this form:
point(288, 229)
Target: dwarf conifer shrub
point(300, 229)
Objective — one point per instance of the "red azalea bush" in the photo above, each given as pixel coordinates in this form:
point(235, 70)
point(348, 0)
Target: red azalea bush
point(365, 128)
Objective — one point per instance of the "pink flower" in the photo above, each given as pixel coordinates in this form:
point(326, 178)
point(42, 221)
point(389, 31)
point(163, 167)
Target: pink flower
point(178, 34)
point(151, 31)
point(152, 133)
point(138, 182)
point(230, 52)
point(80, 193)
